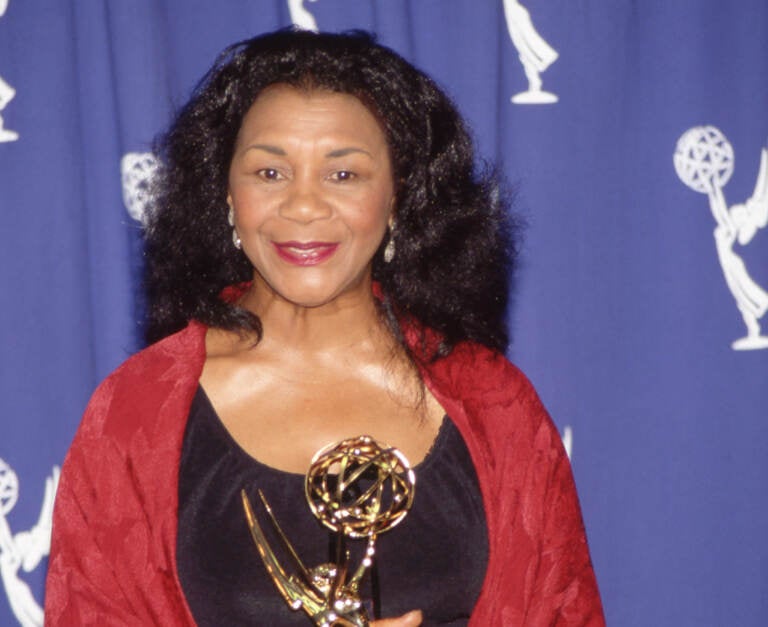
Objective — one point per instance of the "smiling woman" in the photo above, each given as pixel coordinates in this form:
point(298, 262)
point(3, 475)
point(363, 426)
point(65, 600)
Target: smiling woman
point(323, 263)
point(312, 193)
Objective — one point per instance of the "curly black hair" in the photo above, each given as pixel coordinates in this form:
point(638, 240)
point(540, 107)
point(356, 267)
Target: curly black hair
point(454, 237)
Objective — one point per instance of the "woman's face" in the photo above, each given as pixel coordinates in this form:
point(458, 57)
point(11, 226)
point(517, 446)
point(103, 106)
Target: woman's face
point(312, 190)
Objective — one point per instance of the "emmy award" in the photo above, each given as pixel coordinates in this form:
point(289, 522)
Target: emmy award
point(358, 489)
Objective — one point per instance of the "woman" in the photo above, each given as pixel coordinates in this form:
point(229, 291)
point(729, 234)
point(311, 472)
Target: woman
point(322, 262)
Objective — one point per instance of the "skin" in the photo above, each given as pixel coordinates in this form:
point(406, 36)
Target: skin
point(314, 166)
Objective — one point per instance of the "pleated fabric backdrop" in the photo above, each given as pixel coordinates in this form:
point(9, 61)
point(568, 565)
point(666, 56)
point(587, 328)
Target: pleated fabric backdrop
point(635, 135)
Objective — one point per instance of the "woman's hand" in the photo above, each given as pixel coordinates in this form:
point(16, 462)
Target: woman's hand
point(411, 619)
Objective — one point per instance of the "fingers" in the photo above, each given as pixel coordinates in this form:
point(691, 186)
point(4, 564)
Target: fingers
point(411, 619)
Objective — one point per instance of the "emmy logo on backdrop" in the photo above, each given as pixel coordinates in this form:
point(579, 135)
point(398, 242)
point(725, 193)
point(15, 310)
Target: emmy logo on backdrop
point(6, 95)
point(25, 549)
point(300, 16)
point(535, 53)
point(137, 169)
point(704, 162)
point(567, 437)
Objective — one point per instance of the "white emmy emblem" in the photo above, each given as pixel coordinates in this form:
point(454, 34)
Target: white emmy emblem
point(535, 53)
point(300, 16)
point(24, 549)
point(704, 162)
point(568, 440)
point(6, 95)
point(136, 172)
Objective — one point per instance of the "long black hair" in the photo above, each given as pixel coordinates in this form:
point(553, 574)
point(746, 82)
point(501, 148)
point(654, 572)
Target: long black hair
point(454, 238)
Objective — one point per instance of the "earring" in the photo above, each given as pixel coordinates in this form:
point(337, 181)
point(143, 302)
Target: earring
point(235, 239)
point(389, 249)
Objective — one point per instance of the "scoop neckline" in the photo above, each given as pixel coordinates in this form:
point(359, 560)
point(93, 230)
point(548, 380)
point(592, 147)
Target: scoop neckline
point(235, 447)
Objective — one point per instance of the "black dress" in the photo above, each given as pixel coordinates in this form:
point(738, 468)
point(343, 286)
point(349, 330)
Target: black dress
point(435, 560)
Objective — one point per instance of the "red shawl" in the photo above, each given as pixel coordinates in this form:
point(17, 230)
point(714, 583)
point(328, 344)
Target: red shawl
point(113, 552)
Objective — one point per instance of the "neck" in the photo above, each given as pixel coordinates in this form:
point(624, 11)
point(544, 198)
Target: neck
point(348, 321)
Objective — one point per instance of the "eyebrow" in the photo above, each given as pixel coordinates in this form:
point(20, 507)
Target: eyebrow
point(274, 150)
point(333, 154)
point(343, 152)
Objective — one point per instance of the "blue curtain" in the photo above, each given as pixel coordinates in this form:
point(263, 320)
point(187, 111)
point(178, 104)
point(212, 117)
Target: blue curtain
point(634, 134)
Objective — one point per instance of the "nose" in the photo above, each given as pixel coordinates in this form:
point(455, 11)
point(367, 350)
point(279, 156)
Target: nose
point(304, 202)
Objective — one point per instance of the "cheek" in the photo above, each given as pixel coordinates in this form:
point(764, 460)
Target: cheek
point(379, 210)
point(371, 226)
point(251, 208)
point(375, 219)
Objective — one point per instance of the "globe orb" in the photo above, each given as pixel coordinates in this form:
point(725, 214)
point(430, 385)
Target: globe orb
point(703, 159)
point(137, 171)
point(359, 487)
point(9, 488)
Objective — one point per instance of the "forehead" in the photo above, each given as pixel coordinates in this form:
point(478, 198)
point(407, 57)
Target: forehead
point(284, 109)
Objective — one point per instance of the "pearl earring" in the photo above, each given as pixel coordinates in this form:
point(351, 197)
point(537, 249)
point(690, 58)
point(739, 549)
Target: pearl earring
point(389, 249)
point(231, 219)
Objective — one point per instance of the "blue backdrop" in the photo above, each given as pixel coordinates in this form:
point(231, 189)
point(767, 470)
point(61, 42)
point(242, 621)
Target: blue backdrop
point(633, 133)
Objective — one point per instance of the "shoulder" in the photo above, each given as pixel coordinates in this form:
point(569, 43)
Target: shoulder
point(494, 402)
point(476, 372)
point(145, 380)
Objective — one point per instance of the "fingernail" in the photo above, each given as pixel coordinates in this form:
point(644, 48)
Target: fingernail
point(413, 618)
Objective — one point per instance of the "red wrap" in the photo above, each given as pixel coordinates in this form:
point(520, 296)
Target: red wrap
point(113, 552)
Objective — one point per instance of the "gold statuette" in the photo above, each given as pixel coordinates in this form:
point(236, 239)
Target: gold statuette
point(358, 489)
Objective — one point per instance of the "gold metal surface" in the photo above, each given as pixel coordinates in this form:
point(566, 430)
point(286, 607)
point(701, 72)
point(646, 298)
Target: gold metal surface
point(358, 489)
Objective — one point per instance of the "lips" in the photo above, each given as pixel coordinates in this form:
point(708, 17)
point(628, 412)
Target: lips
point(305, 253)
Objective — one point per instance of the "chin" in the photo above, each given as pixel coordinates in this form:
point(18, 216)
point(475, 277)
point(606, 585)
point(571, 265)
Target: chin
point(316, 291)
point(309, 297)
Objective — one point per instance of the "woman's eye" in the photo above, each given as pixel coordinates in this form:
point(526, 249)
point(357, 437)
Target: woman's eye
point(269, 174)
point(343, 175)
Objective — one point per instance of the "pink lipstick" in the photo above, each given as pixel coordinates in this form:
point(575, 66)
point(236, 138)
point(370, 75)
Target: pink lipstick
point(305, 253)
